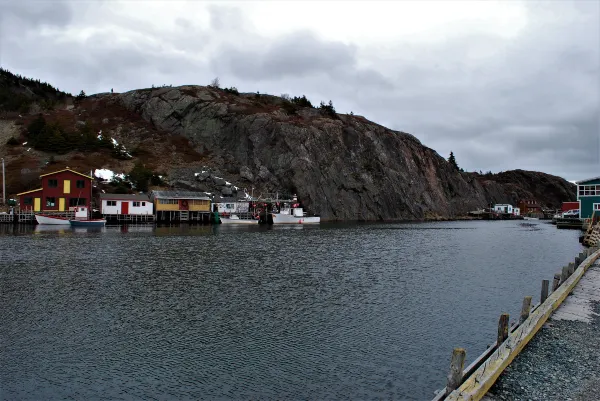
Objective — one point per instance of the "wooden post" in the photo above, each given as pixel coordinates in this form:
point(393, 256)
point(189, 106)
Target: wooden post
point(572, 267)
point(545, 284)
point(502, 328)
point(525, 309)
point(556, 282)
point(577, 260)
point(457, 364)
point(564, 274)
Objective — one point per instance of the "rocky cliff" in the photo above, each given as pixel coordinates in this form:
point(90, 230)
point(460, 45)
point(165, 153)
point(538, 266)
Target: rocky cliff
point(342, 167)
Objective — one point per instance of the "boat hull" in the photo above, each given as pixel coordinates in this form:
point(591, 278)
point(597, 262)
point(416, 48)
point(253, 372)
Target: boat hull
point(88, 223)
point(290, 219)
point(225, 220)
point(52, 220)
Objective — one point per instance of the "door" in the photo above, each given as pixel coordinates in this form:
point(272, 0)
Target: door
point(67, 188)
point(61, 204)
point(124, 207)
point(37, 204)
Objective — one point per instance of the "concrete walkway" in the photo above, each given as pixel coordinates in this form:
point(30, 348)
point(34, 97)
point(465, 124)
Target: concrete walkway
point(562, 362)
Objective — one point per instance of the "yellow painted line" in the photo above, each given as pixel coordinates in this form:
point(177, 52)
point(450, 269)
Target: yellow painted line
point(478, 384)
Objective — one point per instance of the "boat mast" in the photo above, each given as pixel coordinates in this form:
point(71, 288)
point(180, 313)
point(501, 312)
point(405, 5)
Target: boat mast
point(3, 183)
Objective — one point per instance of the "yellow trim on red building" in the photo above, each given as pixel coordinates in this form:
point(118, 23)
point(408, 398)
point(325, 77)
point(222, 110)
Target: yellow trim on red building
point(66, 169)
point(28, 192)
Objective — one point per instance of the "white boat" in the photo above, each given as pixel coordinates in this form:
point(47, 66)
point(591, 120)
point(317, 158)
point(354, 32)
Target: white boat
point(293, 214)
point(235, 219)
point(53, 220)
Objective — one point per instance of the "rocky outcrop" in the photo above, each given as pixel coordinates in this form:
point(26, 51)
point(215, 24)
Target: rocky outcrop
point(343, 167)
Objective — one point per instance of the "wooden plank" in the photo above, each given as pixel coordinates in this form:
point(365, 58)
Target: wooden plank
point(455, 375)
point(564, 274)
point(571, 268)
point(556, 282)
point(502, 328)
point(544, 295)
point(525, 309)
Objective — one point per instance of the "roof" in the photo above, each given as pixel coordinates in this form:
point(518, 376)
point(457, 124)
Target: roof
point(142, 197)
point(28, 192)
point(589, 179)
point(66, 169)
point(180, 195)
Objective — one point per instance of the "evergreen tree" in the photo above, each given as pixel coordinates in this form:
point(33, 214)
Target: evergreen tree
point(452, 161)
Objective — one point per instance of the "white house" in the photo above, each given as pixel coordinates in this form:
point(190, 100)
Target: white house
point(125, 204)
point(503, 208)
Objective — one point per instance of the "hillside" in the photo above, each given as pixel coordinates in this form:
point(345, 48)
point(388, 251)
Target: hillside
point(343, 167)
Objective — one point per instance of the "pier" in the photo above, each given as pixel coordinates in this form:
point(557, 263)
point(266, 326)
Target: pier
point(474, 381)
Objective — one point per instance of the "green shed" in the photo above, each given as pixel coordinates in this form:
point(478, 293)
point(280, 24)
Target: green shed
point(588, 196)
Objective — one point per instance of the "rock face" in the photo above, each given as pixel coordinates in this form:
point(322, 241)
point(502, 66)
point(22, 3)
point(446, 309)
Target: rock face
point(342, 167)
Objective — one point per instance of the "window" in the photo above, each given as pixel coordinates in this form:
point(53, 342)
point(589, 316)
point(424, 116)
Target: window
point(202, 202)
point(111, 203)
point(168, 201)
point(136, 204)
point(52, 183)
point(143, 203)
point(28, 200)
point(589, 190)
point(77, 202)
point(597, 206)
point(50, 202)
point(80, 184)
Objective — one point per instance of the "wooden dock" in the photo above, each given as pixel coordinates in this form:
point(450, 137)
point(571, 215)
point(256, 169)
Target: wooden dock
point(473, 382)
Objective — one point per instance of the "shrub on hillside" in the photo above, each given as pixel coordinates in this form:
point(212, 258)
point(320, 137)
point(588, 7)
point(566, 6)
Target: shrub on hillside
point(328, 109)
point(301, 101)
point(233, 90)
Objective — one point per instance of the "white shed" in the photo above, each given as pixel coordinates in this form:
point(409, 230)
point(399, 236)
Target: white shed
point(125, 204)
point(503, 208)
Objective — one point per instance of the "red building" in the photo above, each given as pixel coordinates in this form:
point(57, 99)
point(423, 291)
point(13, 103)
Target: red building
point(529, 206)
point(566, 206)
point(60, 191)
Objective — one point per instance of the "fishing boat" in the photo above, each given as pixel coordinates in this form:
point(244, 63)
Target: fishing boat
point(88, 223)
point(82, 219)
point(290, 212)
point(236, 219)
point(293, 215)
point(51, 220)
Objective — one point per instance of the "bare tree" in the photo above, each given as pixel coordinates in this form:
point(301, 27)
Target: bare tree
point(285, 96)
point(215, 82)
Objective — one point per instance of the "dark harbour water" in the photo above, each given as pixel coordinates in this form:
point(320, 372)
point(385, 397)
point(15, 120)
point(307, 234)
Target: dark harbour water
point(367, 311)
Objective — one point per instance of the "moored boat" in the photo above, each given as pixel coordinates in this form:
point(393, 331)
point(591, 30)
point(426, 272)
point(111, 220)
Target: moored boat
point(235, 219)
point(88, 223)
point(292, 213)
point(51, 220)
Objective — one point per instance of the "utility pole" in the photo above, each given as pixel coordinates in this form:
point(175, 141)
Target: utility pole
point(3, 184)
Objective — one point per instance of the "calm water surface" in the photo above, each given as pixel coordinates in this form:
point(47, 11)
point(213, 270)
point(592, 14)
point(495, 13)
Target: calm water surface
point(366, 311)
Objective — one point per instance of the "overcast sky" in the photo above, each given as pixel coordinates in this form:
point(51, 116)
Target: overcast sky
point(504, 84)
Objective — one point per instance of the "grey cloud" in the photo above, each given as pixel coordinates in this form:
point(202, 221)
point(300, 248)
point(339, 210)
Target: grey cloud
point(35, 14)
point(291, 56)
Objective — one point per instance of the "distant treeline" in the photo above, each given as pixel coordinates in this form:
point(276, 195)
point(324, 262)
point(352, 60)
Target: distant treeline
point(18, 93)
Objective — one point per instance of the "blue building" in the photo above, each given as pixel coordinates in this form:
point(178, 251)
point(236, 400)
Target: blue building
point(588, 196)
